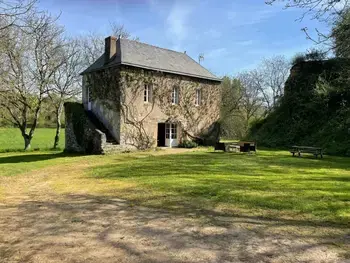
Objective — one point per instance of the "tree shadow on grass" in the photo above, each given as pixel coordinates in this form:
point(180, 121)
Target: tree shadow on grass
point(273, 185)
point(87, 228)
point(34, 157)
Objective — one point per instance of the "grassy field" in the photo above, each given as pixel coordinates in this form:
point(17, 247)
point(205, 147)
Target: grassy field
point(12, 140)
point(176, 201)
point(269, 184)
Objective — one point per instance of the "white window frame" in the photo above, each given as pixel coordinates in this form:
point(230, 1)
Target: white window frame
point(170, 131)
point(175, 96)
point(147, 93)
point(198, 101)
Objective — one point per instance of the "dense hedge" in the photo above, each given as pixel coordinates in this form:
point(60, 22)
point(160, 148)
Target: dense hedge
point(314, 111)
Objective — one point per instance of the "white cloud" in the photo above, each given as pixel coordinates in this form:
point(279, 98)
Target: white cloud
point(177, 23)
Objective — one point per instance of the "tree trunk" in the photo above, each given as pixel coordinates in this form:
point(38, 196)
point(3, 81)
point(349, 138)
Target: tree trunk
point(27, 141)
point(58, 126)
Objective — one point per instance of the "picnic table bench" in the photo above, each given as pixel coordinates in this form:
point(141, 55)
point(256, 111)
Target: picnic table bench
point(316, 151)
point(241, 146)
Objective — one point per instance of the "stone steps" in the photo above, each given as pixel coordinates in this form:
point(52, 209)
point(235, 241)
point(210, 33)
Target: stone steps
point(110, 148)
point(100, 126)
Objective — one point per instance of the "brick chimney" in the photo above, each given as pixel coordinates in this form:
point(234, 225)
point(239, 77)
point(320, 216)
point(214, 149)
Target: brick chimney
point(110, 48)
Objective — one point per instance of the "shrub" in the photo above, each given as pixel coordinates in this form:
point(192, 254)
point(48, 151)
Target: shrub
point(298, 58)
point(187, 144)
point(315, 55)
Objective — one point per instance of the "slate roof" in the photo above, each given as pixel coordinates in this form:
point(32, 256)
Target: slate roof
point(137, 54)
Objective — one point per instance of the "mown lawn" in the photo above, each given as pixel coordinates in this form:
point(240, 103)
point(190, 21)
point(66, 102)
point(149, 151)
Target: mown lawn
point(271, 184)
point(12, 140)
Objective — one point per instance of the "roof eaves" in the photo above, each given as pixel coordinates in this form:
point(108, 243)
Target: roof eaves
point(152, 68)
point(171, 71)
point(100, 68)
point(197, 63)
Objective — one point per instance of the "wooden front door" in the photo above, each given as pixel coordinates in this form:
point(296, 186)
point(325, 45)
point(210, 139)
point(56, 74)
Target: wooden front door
point(161, 135)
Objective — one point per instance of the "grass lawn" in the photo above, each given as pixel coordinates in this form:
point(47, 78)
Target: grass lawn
point(12, 140)
point(269, 184)
point(268, 207)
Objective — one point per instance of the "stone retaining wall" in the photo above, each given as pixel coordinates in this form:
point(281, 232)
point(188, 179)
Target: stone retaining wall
point(81, 134)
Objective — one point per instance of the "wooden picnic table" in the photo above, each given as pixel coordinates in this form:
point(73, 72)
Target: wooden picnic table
point(316, 151)
point(241, 146)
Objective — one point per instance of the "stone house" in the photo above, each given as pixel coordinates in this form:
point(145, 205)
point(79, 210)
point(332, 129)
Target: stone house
point(149, 96)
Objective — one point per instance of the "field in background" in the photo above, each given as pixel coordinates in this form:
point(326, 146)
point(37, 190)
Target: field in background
point(12, 140)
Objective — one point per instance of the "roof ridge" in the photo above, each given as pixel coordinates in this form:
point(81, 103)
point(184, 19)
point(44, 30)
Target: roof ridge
point(167, 49)
point(139, 54)
point(143, 43)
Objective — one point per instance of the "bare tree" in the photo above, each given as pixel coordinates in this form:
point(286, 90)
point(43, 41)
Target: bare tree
point(251, 101)
point(12, 11)
point(271, 80)
point(120, 31)
point(325, 11)
point(66, 82)
point(31, 60)
point(92, 44)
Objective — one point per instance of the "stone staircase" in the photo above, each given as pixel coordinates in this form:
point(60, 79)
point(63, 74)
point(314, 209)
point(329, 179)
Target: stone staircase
point(100, 126)
point(110, 148)
point(111, 145)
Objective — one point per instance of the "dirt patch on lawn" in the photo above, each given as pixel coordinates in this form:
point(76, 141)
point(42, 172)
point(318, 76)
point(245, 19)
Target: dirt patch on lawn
point(83, 228)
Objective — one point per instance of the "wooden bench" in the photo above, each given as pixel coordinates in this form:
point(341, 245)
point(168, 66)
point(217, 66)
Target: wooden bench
point(248, 146)
point(316, 151)
point(242, 146)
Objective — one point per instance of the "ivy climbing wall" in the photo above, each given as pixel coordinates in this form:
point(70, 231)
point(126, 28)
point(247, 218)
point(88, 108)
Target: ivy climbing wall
point(121, 90)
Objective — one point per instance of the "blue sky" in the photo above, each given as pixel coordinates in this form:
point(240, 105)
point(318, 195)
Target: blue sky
point(233, 35)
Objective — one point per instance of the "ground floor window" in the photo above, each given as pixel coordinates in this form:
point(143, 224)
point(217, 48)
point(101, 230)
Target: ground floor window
point(171, 128)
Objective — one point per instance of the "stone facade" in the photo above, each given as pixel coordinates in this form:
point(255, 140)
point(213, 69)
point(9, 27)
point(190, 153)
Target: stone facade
point(81, 135)
point(117, 98)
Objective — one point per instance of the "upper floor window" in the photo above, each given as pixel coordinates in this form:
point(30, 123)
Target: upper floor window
point(147, 94)
point(198, 97)
point(175, 95)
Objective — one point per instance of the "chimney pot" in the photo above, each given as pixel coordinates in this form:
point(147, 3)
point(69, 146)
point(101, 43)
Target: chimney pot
point(110, 48)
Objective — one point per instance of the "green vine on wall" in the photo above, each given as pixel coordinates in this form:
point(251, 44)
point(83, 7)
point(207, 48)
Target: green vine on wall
point(120, 89)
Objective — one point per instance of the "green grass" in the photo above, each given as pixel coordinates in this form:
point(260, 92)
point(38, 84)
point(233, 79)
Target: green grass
point(271, 184)
point(12, 140)
point(17, 163)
